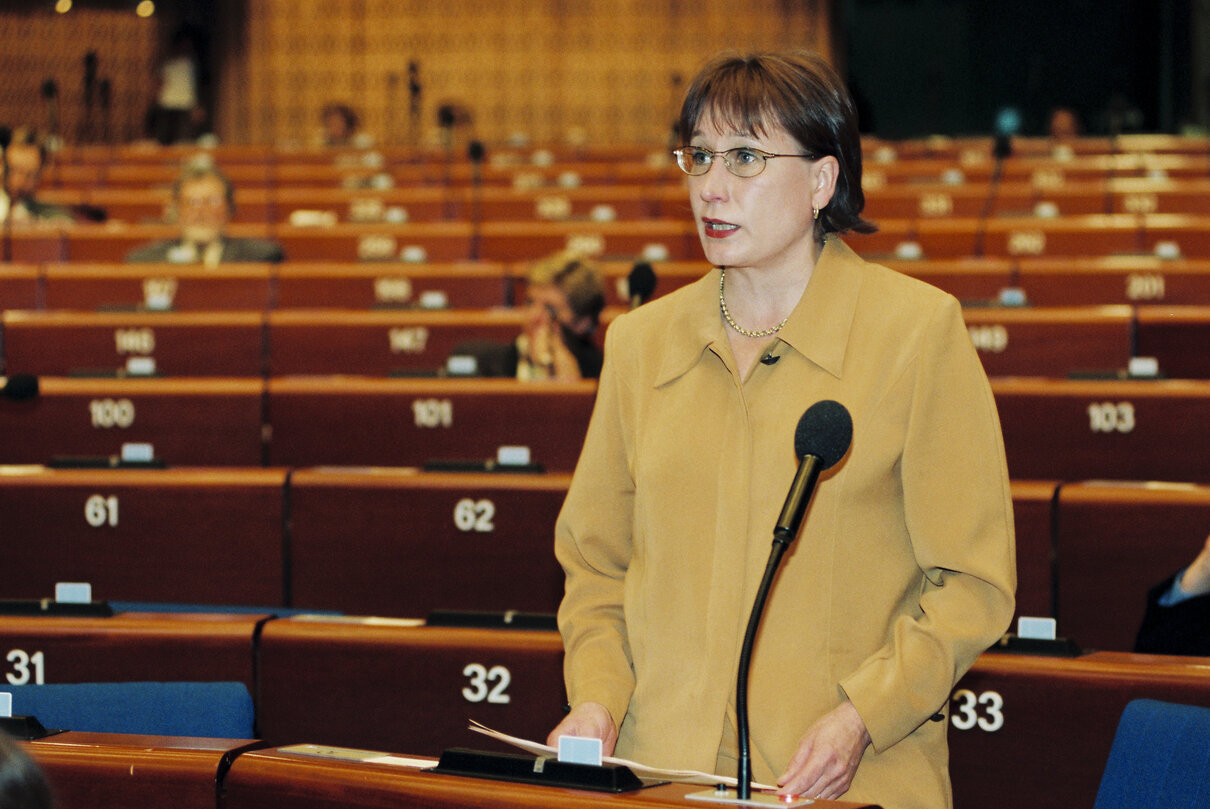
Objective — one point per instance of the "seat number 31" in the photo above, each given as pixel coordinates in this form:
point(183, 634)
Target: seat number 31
point(971, 710)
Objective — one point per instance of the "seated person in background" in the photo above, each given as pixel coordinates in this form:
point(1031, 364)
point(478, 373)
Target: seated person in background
point(340, 127)
point(564, 299)
point(26, 156)
point(205, 202)
point(1177, 620)
point(22, 785)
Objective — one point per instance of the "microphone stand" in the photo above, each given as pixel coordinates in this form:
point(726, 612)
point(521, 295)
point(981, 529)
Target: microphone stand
point(6, 251)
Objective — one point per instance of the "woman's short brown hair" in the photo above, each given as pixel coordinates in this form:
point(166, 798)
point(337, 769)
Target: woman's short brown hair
point(799, 92)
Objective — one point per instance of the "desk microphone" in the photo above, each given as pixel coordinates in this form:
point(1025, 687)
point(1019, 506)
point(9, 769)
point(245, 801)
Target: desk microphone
point(640, 284)
point(821, 439)
point(19, 386)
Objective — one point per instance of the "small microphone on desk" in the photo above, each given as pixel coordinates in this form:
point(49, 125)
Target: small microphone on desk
point(640, 284)
point(19, 386)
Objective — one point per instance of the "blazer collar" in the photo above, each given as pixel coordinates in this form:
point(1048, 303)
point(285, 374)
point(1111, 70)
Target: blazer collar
point(818, 327)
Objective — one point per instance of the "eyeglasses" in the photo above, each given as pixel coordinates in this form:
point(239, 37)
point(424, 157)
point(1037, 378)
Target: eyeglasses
point(743, 161)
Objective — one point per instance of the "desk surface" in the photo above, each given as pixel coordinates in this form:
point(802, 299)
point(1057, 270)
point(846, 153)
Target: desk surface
point(284, 780)
point(95, 770)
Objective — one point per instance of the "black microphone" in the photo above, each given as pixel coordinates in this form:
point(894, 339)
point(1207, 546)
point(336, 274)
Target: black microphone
point(640, 284)
point(475, 152)
point(821, 439)
point(19, 387)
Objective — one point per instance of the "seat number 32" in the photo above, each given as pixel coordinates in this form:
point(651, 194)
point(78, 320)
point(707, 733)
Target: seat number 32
point(971, 710)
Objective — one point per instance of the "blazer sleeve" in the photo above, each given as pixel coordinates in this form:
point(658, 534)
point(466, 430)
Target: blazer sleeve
point(958, 512)
point(593, 544)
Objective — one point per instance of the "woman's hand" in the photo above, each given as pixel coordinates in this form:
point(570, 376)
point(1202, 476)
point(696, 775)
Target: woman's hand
point(591, 720)
point(827, 756)
point(1196, 579)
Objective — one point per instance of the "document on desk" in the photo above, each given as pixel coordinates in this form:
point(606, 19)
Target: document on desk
point(641, 770)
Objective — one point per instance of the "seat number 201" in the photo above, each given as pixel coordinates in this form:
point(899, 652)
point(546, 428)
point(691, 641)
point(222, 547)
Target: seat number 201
point(984, 711)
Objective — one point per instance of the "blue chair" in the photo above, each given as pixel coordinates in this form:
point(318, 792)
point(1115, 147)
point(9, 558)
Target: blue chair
point(1160, 757)
point(221, 710)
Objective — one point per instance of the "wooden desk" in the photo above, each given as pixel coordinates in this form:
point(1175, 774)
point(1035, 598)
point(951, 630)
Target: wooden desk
point(1138, 279)
point(206, 422)
point(1115, 541)
point(279, 779)
point(461, 285)
point(403, 543)
point(971, 280)
point(19, 286)
point(1033, 514)
point(207, 536)
point(1015, 341)
point(180, 344)
point(406, 422)
point(38, 244)
point(1092, 235)
point(177, 287)
point(1036, 731)
point(411, 203)
point(113, 771)
point(111, 243)
point(527, 241)
point(130, 647)
point(385, 685)
point(1178, 337)
point(1123, 430)
point(1188, 232)
point(379, 343)
point(414, 242)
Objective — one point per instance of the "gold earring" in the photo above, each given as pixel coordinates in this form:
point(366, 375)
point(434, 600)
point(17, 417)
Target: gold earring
point(815, 211)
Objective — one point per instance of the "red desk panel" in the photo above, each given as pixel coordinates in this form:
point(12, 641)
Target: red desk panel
point(1033, 513)
point(1123, 430)
point(130, 647)
point(527, 241)
point(206, 422)
point(397, 542)
point(417, 242)
point(180, 344)
point(971, 280)
point(381, 684)
point(406, 422)
point(19, 287)
point(111, 770)
point(408, 204)
point(1062, 236)
point(210, 536)
point(1138, 279)
point(1114, 542)
point(111, 243)
point(456, 285)
point(178, 287)
point(379, 343)
point(1178, 337)
point(1014, 341)
point(1036, 731)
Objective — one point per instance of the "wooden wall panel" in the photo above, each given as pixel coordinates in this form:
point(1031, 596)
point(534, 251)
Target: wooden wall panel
point(39, 44)
point(541, 68)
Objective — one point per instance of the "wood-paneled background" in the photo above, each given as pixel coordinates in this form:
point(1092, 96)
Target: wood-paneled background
point(605, 70)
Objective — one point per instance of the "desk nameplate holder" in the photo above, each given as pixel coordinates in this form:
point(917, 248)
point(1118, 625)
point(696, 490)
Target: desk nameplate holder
point(542, 771)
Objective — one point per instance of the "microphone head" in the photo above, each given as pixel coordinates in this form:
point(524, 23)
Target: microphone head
point(825, 431)
point(641, 281)
point(6, 137)
point(474, 151)
point(20, 386)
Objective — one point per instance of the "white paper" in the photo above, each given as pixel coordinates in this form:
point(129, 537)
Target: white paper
point(641, 770)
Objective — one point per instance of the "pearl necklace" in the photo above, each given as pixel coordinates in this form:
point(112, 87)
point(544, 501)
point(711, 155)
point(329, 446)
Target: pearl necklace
point(722, 305)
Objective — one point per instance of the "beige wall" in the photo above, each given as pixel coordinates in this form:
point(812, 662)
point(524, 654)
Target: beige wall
point(539, 67)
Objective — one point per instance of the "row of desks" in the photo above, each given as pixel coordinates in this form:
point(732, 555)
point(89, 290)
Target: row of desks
point(89, 286)
point(1042, 342)
point(400, 542)
point(654, 166)
point(1165, 235)
point(1053, 428)
point(1024, 730)
point(932, 200)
